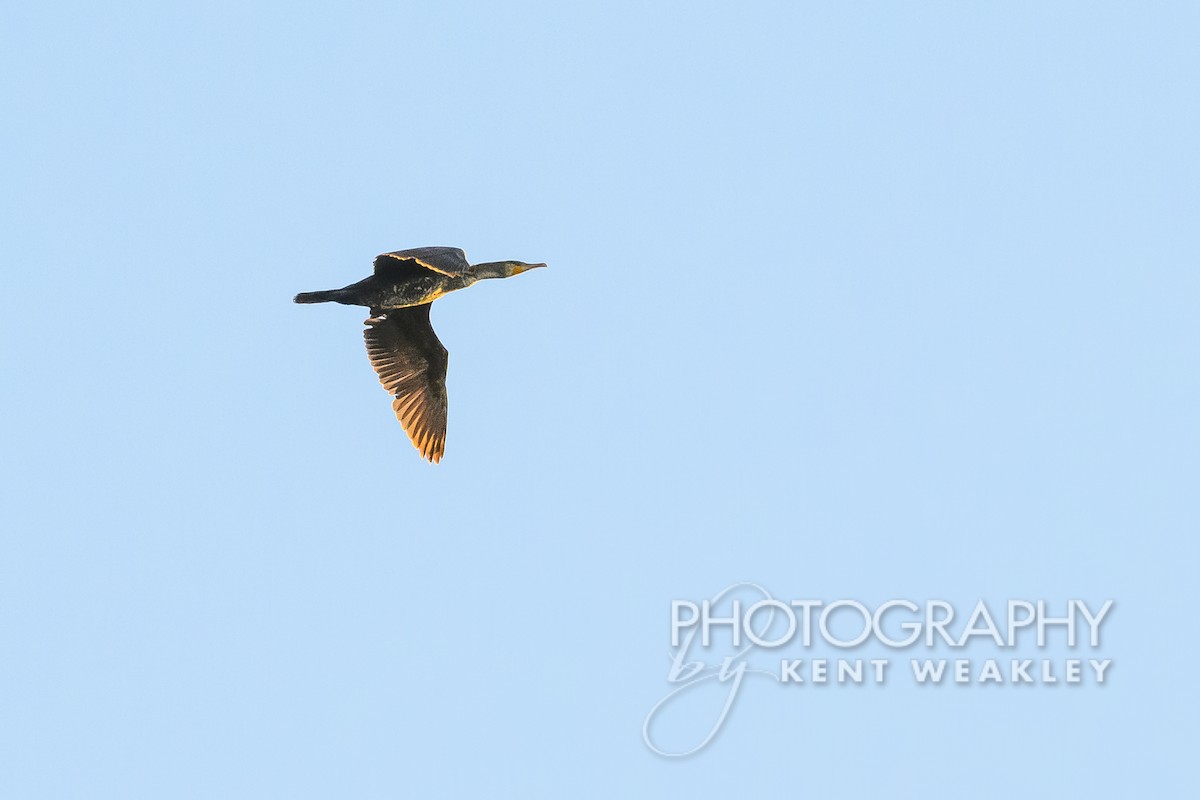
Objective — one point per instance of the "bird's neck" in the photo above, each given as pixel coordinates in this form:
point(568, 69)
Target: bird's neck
point(488, 269)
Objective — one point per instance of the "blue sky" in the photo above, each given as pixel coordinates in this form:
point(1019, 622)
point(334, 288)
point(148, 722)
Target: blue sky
point(852, 302)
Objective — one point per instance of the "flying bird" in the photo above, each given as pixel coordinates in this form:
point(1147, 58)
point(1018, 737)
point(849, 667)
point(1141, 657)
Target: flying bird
point(404, 350)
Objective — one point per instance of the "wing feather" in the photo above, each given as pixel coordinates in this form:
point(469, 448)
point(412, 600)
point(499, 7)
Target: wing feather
point(411, 364)
point(445, 260)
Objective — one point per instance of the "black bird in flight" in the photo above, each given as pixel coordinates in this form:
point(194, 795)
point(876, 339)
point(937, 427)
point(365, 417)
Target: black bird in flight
point(406, 353)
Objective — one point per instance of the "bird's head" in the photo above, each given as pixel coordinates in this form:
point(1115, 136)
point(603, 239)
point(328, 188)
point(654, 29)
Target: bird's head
point(502, 269)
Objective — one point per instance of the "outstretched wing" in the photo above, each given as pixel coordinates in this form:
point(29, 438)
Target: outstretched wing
point(446, 260)
point(411, 364)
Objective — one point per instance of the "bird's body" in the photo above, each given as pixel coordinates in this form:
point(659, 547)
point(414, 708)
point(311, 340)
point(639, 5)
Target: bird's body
point(406, 353)
point(406, 278)
point(390, 292)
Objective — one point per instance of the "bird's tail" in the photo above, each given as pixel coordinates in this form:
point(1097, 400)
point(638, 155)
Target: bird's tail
point(319, 297)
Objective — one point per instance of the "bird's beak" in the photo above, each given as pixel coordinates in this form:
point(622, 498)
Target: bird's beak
point(527, 267)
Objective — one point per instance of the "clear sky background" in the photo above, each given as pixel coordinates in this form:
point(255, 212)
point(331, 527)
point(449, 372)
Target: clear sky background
point(859, 300)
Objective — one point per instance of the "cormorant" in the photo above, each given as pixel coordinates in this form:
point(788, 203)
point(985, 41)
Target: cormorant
point(406, 353)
